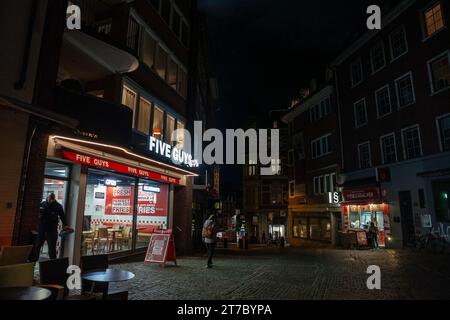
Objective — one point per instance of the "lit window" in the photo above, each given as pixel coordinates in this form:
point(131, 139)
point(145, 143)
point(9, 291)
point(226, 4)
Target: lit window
point(433, 19)
point(388, 148)
point(180, 135)
point(129, 99)
point(411, 142)
point(405, 90)
point(398, 42)
point(383, 100)
point(377, 57)
point(144, 116)
point(170, 128)
point(440, 72)
point(360, 113)
point(158, 123)
point(444, 128)
point(173, 72)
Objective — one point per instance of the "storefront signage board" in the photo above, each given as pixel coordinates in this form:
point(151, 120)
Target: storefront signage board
point(110, 165)
point(161, 248)
point(362, 195)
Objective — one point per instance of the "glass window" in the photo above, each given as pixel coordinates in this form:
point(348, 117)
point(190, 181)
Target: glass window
point(108, 213)
point(441, 195)
point(129, 99)
point(180, 135)
point(176, 22)
point(389, 151)
point(148, 49)
point(360, 113)
point(321, 185)
point(444, 127)
point(355, 221)
point(411, 143)
point(433, 19)
point(327, 183)
point(152, 210)
point(158, 123)
point(383, 100)
point(300, 228)
point(172, 74)
point(440, 72)
point(133, 34)
point(364, 153)
point(405, 91)
point(292, 189)
point(54, 169)
point(356, 72)
point(398, 43)
point(144, 116)
point(377, 57)
point(185, 34)
point(170, 128)
point(161, 63)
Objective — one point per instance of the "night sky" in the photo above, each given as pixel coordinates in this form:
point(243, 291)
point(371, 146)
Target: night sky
point(264, 51)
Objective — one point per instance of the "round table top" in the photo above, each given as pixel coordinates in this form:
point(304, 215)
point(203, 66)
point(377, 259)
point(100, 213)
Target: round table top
point(24, 293)
point(108, 275)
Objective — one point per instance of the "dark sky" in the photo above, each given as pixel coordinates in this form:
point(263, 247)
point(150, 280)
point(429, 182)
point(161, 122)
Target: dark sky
point(264, 51)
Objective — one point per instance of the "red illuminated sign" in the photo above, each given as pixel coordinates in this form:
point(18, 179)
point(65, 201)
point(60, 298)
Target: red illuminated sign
point(107, 164)
point(362, 195)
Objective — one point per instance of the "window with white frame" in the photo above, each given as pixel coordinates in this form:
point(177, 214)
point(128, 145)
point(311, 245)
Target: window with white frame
point(360, 113)
point(377, 57)
point(440, 72)
point(364, 155)
point(383, 101)
point(412, 147)
point(399, 44)
point(405, 90)
point(433, 19)
point(320, 110)
point(388, 148)
point(444, 132)
point(321, 146)
point(324, 183)
point(356, 72)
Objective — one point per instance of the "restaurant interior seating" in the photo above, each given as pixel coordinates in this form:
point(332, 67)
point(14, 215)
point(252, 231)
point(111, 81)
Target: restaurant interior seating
point(15, 255)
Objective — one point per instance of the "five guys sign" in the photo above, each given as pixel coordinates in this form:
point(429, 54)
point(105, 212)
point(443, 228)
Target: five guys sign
point(107, 164)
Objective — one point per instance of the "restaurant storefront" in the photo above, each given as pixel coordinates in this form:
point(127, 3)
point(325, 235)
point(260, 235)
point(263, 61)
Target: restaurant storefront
point(114, 199)
point(361, 208)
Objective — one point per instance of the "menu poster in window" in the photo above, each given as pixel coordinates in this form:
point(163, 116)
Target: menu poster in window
point(153, 203)
point(119, 200)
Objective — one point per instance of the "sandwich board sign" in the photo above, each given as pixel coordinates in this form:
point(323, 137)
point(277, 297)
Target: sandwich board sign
point(161, 248)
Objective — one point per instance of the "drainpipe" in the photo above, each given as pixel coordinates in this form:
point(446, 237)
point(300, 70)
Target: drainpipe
point(338, 103)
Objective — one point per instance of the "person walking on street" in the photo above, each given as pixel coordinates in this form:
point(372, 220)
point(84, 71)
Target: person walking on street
point(209, 238)
point(51, 213)
point(373, 235)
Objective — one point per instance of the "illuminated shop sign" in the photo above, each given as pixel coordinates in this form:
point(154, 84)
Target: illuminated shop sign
point(177, 156)
point(152, 188)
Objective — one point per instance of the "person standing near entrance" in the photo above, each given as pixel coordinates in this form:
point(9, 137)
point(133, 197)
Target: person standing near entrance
point(209, 238)
point(51, 213)
point(373, 235)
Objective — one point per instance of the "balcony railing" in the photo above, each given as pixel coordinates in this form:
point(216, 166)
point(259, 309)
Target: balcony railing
point(99, 119)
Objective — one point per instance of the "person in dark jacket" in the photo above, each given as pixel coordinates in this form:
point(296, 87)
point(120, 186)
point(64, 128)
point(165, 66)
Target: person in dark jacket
point(209, 238)
point(373, 235)
point(50, 214)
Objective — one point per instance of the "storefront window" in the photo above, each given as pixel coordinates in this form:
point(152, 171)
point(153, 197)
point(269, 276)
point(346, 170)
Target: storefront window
point(300, 228)
point(108, 213)
point(152, 210)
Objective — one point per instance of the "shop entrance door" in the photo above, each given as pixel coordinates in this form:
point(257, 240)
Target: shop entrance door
point(407, 217)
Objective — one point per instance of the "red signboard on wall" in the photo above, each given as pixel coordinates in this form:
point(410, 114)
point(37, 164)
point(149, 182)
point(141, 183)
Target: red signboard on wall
point(107, 164)
point(362, 195)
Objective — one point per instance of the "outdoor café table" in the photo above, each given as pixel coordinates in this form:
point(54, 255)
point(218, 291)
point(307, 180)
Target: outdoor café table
point(24, 293)
point(106, 276)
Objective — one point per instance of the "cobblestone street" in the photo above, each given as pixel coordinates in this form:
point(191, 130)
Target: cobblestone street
point(293, 273)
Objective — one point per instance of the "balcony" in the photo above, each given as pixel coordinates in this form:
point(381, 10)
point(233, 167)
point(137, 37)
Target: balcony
point(98, 119)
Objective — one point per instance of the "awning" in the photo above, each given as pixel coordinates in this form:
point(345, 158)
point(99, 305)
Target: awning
point(118, 155)
point(435, 173)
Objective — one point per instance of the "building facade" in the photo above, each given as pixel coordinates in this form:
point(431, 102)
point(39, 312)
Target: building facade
point(393, 92)
point(313, 166)
point(125, 80)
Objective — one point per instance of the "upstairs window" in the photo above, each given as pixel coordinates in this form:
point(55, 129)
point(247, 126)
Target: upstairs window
point(377, 57)
point(176, 22)
point(411, 142)
point(148, 49)
point(172, 75)
point(364, 154)
point(133, 34)
point(145, 109)
point(383, 101)
point(356, 72)
point(129, 99)
point(405, 90)
point(161, 62)
point(165, 10)
point(184, 34)
point(388, 148)
point(444, 130)
point(158, 123)
point(398, 43)
point(170, 128)
point(440, 72)
point(360, 112)
point(433, 19)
